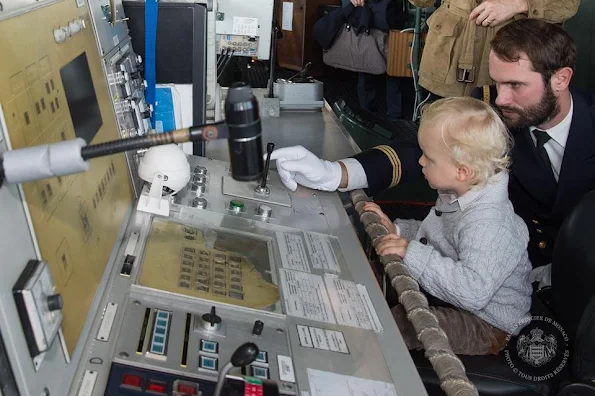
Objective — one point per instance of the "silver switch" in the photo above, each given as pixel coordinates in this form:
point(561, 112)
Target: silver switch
point(200, 170)
point(199, 203)
point(198, 187)
point(264, 211)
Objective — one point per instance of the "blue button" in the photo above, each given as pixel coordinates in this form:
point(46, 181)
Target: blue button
point(262, 357)
point(209, 346)
point(260, 372)
point(163, 315)
point(208, 363)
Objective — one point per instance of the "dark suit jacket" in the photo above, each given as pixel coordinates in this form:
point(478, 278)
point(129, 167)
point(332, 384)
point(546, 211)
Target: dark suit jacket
point(532, 191)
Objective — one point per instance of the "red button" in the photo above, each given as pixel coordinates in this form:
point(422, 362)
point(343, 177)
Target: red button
point(156, 387)
point(134, 381)
point(187, 389)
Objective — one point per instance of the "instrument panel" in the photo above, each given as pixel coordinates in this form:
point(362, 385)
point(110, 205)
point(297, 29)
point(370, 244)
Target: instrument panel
point(52, 88)
point(223, 269)
point(158, 304)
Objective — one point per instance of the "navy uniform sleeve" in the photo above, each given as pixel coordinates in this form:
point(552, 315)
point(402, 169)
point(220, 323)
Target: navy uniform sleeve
point(390, 164)
point(486, 93)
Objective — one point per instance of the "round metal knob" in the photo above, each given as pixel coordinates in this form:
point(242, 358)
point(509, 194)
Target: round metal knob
point(198, 187)
point(55, 302)
point(199, 203)
point(200, 170)
point(199, 179)
point(264, 210)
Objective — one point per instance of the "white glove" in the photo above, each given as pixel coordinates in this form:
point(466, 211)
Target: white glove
point(296, 165)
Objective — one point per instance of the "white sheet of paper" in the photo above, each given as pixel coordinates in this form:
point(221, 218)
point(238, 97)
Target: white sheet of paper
point(293, 252)
point(245, 26)
point(323, 383)
point(305, 338)
point(305, 296)
point(287, 21)
point(336, 341)
point(347, 303)
point(321, 252)
point(363, 292)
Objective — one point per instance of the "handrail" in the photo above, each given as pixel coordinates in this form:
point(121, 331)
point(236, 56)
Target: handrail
point(448, 367)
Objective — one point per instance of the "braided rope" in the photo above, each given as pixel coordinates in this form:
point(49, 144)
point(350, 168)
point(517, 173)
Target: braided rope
point(448, 367)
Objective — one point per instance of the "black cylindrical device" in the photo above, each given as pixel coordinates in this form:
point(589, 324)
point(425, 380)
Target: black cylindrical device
point(245, 141)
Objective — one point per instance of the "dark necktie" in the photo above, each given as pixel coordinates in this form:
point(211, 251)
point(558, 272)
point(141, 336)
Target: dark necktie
point(542, 138)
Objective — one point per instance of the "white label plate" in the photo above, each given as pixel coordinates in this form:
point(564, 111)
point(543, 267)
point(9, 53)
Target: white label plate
point(286, 372)
point(107, 322)
point(88, 383)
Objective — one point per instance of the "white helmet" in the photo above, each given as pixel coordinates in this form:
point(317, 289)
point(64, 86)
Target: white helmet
point(170, 160)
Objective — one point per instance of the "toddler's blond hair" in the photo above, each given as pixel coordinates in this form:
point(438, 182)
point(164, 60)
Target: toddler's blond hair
point(473, 132)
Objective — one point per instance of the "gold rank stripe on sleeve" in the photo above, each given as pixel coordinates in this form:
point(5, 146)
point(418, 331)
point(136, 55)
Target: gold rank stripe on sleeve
point(486, 94)
point(395, 162)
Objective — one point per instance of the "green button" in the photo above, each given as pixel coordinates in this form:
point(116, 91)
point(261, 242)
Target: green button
point(236, 204)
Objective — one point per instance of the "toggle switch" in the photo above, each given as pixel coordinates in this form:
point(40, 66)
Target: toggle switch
point(264, 211)
point(55, 302)
point(262, 188)
point(200, 170)
point(199, 188)
point(258, 327)
point(211, 321)
point(199, 203)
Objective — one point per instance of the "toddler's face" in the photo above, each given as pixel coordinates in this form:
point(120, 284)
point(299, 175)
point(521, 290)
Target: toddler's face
point(437, 163)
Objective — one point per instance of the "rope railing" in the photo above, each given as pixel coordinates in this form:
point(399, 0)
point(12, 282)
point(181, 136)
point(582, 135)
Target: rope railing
point(448, 367)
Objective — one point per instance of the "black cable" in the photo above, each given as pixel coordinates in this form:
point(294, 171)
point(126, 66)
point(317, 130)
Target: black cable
point(224, 66)
point(192, 134)
point(118, 146)
point(273, 58)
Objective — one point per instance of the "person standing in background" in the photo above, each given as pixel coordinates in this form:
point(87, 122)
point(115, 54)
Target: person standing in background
point(456, 53)
point(366, 83)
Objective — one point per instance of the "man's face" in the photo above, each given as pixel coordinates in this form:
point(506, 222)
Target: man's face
point(523, 98)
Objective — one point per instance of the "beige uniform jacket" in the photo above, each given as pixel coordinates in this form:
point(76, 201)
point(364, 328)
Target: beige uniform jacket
point(456, 52)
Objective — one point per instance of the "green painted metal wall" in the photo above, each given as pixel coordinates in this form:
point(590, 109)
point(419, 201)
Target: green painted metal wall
point(582, 29)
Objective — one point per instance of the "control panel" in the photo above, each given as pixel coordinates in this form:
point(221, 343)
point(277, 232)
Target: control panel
point(124, 76)
point(230, 264)
point(245, 26)
point(109, 23)
point(228, 44)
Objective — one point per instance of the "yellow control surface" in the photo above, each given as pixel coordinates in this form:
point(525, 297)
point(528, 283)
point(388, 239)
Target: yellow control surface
point(76, 219)
point(178, 259)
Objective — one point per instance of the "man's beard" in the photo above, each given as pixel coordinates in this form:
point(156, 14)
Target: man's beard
point(537, 114)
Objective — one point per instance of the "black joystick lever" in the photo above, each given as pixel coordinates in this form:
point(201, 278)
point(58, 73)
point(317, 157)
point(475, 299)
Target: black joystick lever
point(211, 321)
point(262, 188)
point(243, 356)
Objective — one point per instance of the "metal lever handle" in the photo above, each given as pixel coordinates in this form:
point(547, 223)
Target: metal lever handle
point(270, 148)
point(262, 188)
